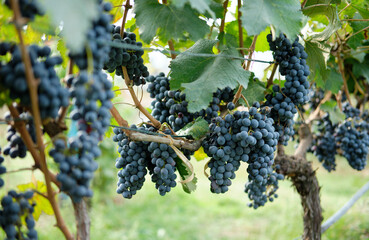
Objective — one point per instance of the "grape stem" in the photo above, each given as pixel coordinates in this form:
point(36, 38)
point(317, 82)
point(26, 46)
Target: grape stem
point(127, 6)
point(63, 111)
point(270, 79)
point(240, 30)
point(252, 49)
point(342, 71)
point(222, 23)
point(33, 85)
point(155, 122)
point(172, 50)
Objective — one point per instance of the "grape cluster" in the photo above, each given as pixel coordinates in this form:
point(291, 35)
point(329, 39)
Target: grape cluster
point(168, 106)
point(76, 164)
point(16, 208)
point(96, 39)
point(324, 143)
point(127, 56)
point(350, 111)
point(282, 112)
point(91, 95)
point(247, 136)
point(292, 64)
point(16, 147)
point(224, 152)
point(163, 167)
point(354, 142)
point(2, 170)
point(133, 163)
point(28, 8)
point(51, 95)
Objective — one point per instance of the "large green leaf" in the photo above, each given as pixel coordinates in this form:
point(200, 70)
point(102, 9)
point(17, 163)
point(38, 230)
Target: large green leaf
point(284, 15)
point(332, 15)
point(202, 6)
point(192, 65)
point(318, 54)
point(332, 83)
point(167, 21)
point(202, 76)
point(76, 16)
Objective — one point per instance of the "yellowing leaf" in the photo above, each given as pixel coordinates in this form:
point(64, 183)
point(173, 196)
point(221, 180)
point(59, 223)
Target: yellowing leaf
point(42, 204)
point(200, 154)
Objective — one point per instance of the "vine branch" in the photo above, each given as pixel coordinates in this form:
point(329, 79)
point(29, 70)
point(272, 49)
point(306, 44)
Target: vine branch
point(240, 30)
point(127, 6)
point(172, 50)
point(33, 86)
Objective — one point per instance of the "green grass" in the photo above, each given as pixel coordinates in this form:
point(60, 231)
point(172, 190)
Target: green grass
point(203, 215)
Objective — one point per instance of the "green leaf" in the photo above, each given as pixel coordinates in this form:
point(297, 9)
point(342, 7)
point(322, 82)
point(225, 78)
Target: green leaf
point(63, 52)
point(332, 83)
point(318, 54)
point(262, 44)
point(192, 65)
point(196, 129)
point(231, 28)
point(284, 15)
point(202, 76)
point(254, 92)
point(77, 17)
point(332, 15)
point(202, 6)
point(361, 69)
point(364, 12)
point(184, 172)
point(335, 114)
point(117, 10)
point(167, 21)
point(357, 39)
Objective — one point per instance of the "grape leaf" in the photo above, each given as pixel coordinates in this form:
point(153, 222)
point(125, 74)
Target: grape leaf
point(192, 65)
point(200, 154)
point(254, 92)
point(202, 6)
point(356, 40)
point(63, 52)
point(42, 204)
point(262, 44)
point(196, 129)
point(335, 114)
point(202, 76)
point(318, 54)
point(284, 15)
point(117, 10)
point(333, 82)
point(167, 21)
point(361, 69)
point(332, 15)
point(76, 16)
point(184, 172)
